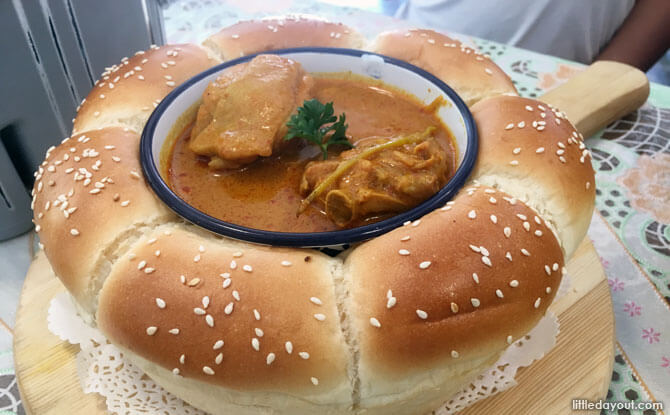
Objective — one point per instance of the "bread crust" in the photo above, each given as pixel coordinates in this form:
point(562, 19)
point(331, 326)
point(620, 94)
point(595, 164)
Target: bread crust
point(128, 92)
point(252, 36)
point(472, 75)
point(532, 151)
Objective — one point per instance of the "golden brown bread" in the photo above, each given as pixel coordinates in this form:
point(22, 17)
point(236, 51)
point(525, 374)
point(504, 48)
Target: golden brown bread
point(90, 199)
point(128, 92)
point(472, 75)
point(531, 150)
point(458, 285)
point(395, 325)
point(252, 36)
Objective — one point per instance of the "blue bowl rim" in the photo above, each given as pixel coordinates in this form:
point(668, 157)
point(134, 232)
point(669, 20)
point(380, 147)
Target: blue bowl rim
point(305, 239)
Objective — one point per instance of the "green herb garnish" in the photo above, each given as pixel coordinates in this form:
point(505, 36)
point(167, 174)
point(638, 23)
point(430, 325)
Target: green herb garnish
point(314, 121)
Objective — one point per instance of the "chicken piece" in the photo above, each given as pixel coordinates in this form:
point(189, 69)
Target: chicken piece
point(245, 110)
point(388, 181)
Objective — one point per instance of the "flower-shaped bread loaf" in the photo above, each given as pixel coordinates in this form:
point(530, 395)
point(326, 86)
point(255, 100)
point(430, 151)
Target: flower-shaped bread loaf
point(395, 325)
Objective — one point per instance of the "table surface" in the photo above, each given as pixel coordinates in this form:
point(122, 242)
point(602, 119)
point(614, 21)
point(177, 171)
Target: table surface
point(630, 228)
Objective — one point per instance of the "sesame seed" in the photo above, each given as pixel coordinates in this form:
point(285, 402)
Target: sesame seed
point(494, 219)
point(475, 302)
point(484, 251)
point(475, 277)
point(182, 359)
point(507, 231)
point(270, 358)
point(315, 381)
point(509, 126)
point(320, 317)
point(514, 163)
point(486, 261)
point(316, 300)
point(152, 330)
point(508, 256)
point(149, 270)
point(547, 290)
point(499, 294)
point(374, 322)
point(227, 282)
point(209, 320)
point(454, 308)
point(475, 248)
point(547, 269)
point(236, 295)
point(391, 302)
point(237, 254)
point(247, 268)
point(529, 108)
point(217, 345)
point(526, 226)
point(509, 339)
point(160, 303)
point(538, 232)
point(488, 71)
point(229, 308)
point(588, 184)
point(416, 223)
point(289, 347)
point(218, 359)
point(514, 283)
point(175, 371)
point(424, 264)
point(157, 253)
point(525, 252)
point(562, 159)
point(257, 314)
point(208, 370)
point(174, 331)
point(406, 237)
point(472, 214)
point(517, 150)
point(286, 263)
point(196, 258)
point(74, 232)
point(537, 302)
point(454, 354)
point(304, 355)
point(255, 344)
point(233, 264)
point(539, 150)
point(521, 124)
point(199, 311)
point(259, 332)
point(422, 314)
point(403, 252)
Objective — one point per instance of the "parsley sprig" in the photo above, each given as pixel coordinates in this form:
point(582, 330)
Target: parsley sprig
point(316, 123)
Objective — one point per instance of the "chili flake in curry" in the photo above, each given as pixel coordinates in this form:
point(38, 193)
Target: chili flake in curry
point(234, 163)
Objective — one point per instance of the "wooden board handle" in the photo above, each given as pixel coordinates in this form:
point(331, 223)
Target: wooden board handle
point(604, 92)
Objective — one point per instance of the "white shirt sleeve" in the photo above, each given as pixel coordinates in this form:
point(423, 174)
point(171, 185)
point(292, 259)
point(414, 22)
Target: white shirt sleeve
point(571, 29)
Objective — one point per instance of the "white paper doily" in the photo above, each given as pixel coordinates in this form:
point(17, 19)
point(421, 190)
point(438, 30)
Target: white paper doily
point(103, 369)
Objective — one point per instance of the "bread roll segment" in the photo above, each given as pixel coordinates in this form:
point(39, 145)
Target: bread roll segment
point(128, 92)
point(252, 36)
point(532, 151)
point(447, 293)
point(90, 198)
point(260, 320)
point(472, 75)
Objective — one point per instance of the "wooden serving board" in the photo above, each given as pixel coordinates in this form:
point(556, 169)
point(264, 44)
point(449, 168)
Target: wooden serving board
point(580, 366)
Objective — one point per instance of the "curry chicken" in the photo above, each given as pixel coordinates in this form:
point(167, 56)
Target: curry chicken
point(239, 162)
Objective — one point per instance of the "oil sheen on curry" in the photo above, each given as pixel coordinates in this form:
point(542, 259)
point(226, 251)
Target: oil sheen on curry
point(275, 148)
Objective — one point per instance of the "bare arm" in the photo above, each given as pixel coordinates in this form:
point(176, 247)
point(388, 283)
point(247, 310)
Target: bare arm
point(643, 37)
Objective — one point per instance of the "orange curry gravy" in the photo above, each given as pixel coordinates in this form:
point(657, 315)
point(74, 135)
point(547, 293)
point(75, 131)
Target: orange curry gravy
point(265, 194)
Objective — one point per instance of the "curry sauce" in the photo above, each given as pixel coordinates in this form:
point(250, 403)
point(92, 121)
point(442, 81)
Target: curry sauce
point(265, 194)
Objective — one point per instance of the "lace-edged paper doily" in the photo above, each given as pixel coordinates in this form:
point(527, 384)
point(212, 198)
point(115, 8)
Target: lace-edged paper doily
point(103, 369)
